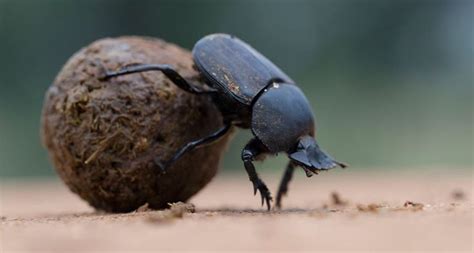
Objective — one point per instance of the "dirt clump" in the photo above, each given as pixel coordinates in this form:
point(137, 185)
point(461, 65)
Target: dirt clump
point(370, 208)
point(104, 137)
point(337, 200)
point(458, 194)
point(413, 206)
point(176, 211)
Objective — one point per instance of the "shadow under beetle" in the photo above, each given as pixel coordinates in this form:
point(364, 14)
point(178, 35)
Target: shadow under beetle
point(251, 92)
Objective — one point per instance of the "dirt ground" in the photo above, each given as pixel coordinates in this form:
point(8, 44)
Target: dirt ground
point(346, 210)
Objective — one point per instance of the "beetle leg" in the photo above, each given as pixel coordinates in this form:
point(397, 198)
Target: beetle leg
point(167, 70)
point(283, 188)
point(193, 145)
point(251, 150)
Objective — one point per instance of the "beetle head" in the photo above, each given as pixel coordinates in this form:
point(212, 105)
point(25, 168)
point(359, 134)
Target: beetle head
point(311, 158)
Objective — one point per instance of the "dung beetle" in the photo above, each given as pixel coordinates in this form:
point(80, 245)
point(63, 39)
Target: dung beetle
point(250, 92)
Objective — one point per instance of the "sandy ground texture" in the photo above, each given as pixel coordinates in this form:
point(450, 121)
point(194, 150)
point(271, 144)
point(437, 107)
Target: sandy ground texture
point(338, 211)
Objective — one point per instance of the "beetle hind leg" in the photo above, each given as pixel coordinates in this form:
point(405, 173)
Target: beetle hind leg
point(283, 188)
point(167, 70)
point(251, 150)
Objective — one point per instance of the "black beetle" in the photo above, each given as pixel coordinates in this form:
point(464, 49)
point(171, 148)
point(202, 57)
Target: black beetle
point(251, 92)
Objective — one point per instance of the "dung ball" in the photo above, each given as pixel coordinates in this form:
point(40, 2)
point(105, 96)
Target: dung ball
point(103, 137)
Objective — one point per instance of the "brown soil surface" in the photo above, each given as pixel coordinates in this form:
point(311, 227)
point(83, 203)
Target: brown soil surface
point(341, 210)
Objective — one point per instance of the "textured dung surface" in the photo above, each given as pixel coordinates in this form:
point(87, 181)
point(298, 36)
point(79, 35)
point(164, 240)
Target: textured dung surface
point(102, 136)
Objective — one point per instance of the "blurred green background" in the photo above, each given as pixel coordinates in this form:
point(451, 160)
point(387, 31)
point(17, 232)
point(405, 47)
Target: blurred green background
point(391, 82)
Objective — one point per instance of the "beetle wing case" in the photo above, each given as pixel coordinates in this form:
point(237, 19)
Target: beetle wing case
point(280, 116)
point(235, 66)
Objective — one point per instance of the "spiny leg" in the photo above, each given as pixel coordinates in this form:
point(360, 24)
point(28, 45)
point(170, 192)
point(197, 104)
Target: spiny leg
point(193, 145)
point(167, 70)
point(251, 150)
point(283, 188)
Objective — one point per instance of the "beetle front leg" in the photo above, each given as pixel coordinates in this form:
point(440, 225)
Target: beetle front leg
point(251, 150)
point(283, 188)
point(167, 70)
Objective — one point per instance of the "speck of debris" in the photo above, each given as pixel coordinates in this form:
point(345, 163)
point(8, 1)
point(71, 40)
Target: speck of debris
point(327, 208)
point(180, 208)
point(458, 194)
point(3, 218)
point(318, 214)
point(414, 206)
point(373, 208)
point(337, 200)
point(143, 208)
point(210, 214)
point(452, 206)
point(176, 211)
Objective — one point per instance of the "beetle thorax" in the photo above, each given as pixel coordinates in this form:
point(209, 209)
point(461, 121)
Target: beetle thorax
point(280, 116)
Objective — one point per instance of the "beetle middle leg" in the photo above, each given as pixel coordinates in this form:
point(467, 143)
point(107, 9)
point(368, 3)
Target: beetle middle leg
point(193, 145)
point(252, 150)
point(167, 70)
point(283, 188)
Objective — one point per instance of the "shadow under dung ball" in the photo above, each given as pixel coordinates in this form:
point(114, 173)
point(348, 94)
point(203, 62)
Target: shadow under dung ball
point(103, 136)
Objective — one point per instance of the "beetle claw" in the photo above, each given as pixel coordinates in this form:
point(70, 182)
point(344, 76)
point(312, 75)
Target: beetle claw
point(264, 193)
point(309, 173)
